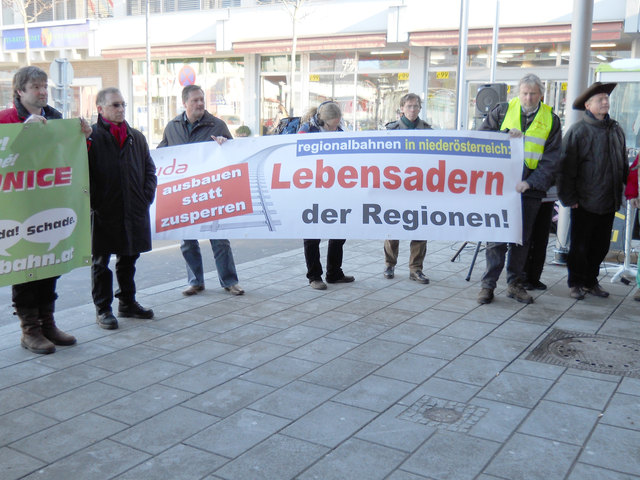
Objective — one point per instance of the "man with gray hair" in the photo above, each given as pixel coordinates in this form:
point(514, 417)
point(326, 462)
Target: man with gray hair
point(525, 115)
point(122, 178)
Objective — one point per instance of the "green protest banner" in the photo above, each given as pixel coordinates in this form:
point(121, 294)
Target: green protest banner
point(44, 200)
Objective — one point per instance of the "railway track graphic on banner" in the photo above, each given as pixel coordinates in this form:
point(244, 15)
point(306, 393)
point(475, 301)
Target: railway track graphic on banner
point(265, 215)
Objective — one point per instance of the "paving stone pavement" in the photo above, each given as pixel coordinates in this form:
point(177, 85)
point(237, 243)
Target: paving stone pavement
point(370, 380)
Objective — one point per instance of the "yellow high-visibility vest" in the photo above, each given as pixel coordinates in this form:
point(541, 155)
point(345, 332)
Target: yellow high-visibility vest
point(536, 135)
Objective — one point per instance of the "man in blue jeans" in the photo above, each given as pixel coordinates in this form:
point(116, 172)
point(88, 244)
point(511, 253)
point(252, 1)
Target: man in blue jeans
point(195, 125)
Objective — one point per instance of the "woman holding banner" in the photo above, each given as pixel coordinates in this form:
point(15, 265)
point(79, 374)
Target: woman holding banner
point(326, 118)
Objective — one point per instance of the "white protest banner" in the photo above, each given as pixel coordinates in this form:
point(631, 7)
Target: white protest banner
point(412, 184)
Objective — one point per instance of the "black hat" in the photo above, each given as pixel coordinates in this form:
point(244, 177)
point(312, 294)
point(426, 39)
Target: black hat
point(594, 89)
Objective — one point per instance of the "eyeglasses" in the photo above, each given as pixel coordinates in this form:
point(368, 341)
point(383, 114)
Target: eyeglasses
point(117, 105)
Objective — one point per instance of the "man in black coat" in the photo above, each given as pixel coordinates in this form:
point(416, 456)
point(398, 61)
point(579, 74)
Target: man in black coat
point(591, 181)
point(123, 184)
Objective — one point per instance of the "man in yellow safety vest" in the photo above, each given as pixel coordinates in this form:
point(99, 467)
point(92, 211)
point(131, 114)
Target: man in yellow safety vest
point(525, 115)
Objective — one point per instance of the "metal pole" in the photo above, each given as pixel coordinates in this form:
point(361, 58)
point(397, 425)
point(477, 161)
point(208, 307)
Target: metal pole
point(494, 44)
point(355, 93)
point(62, 65)
point(462, 63)
point(579, 54)
point(148, 45)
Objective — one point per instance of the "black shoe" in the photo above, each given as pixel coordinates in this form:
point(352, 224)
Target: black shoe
point(576, 293)
point(388, 273)
point(418, 277)
point(485, 296)
point(537, 285)
point(134, 310)
point(343, 279)
point(597, 290)
point(107, 321)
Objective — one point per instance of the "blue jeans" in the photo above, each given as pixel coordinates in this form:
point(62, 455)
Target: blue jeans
point(224, 262)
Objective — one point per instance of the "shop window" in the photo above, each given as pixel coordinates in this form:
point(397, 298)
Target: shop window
point(367, 85)
point(443, 57)
point(379, 99)
point(278, 63)
point(339, 62)
point(441, 104)
point(221, 79)
point(376, 61)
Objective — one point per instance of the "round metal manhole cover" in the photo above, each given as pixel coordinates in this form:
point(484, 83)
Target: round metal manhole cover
point(443, 415)
point(597, 353)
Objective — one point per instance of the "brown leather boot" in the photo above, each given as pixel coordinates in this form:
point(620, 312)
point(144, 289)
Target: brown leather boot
point(49, 329)
point(32, 338)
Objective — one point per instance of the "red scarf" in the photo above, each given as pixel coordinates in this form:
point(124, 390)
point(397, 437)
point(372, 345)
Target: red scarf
point(118, 131)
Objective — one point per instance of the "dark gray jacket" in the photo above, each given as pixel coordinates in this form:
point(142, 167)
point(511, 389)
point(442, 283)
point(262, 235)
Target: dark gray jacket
point(542, 178)
point(398, 125)
point(594, 165)
point(177, 133)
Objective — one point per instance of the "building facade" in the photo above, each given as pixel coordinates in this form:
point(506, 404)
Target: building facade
point(364, 54)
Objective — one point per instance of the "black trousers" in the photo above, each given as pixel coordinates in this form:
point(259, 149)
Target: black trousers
point(34, 294)
point(590, 239)
point(496, 253)
point(538, 242)
point(334, 259)
point(102, 280)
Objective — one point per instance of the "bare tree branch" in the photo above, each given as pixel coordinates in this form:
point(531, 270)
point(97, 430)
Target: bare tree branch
point(30, 11)
point(293, 7)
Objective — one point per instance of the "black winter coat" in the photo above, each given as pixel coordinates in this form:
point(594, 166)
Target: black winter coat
point(594, 165)
point(177, 133)
point(123, 185)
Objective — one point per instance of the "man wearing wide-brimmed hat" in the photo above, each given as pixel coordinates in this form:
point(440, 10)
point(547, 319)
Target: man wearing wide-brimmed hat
point(593, 173)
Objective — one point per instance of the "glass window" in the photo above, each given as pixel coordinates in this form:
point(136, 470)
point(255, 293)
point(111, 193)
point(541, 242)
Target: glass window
point(279, 63)
point(224, 90)
point(221, 79)
point(331, 62)
point(6, 90)
point(339, 88)
point(625, 109)
point(275, 91)
point(443, 57)
point(441, 99)
point(101, 9)
point(376, 61)
point(188, 5)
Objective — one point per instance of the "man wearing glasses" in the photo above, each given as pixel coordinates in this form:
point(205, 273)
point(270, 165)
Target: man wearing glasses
point(123, 184)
